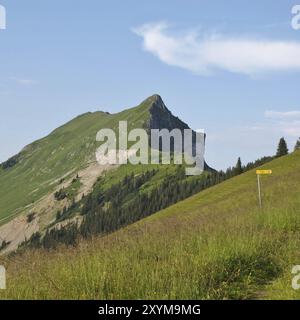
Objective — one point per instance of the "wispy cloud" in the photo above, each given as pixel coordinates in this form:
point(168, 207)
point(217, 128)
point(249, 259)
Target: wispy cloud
point(282, 115)
point(288, 129)
point(261, 135)
point(279, 122)
point(204, 54)
point(24, 81)
point(288, 122)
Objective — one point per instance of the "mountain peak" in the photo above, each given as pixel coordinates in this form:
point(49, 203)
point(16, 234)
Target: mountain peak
point(160, 116)
point(155, 102)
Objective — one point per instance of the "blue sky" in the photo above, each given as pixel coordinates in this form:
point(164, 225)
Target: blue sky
point(229, 67)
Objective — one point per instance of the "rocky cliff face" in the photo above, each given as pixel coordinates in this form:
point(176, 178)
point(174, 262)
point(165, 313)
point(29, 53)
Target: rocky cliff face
point(162, 118)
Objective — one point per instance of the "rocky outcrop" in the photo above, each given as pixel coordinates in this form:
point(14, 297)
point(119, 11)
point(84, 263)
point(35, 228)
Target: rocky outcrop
point(162, 118)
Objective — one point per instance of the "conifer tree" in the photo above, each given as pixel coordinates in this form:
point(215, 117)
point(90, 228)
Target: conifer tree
point(297, 146)
point(282, 148)
point(238, 168)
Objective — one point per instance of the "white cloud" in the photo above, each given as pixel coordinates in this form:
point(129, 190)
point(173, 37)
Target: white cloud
point(204, 54)
point(287, 122)
point(282, 115)
point(283, 128)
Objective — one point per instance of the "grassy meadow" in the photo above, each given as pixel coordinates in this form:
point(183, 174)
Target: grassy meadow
point(61, 154)
point(217, 244)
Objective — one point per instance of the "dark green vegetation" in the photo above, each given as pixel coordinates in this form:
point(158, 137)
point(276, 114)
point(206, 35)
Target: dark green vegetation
point(139, 194)
point(11, 162)
point(297, 145)
point(216, 244)
point(282, 149)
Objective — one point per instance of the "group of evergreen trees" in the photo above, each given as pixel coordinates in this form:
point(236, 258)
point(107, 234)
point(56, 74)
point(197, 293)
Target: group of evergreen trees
point(297, 145)
point(60, 194)
point(282, 148)
point(125, 202)
point(67, 235)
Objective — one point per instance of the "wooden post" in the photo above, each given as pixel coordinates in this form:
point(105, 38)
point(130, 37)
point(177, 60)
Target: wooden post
point(259, 191)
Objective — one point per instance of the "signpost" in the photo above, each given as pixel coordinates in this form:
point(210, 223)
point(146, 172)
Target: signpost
point(259, 173)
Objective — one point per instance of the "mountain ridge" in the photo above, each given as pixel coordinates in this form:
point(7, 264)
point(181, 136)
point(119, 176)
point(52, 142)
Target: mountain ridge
point(44, 167)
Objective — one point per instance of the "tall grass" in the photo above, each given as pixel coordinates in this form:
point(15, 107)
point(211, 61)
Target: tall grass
point(215, 245)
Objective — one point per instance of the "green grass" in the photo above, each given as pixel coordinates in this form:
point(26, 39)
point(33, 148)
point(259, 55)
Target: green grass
point(217, 244)
point(73, 188)
point(63, 152)
point(115, 176)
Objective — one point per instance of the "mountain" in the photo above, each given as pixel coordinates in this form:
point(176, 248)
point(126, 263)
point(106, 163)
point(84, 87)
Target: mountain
point(64, 160)
point(161, 116)
point(217, 244)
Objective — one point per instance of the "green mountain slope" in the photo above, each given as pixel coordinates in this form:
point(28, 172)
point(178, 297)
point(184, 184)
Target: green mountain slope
point(36, 170)
point(64, 164)
point(217, 244)
point(65, 151)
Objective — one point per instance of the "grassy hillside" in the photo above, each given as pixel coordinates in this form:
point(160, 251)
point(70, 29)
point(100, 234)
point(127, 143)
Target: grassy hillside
point(38, 168)
point(217, 244)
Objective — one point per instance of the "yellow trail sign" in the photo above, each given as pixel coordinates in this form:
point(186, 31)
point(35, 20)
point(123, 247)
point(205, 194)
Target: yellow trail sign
point(263, 171)
point(259, 173)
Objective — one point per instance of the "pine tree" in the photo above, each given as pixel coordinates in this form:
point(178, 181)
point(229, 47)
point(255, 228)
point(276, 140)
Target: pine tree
point(282, 149)
point(297, 146)
point(238, 168)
